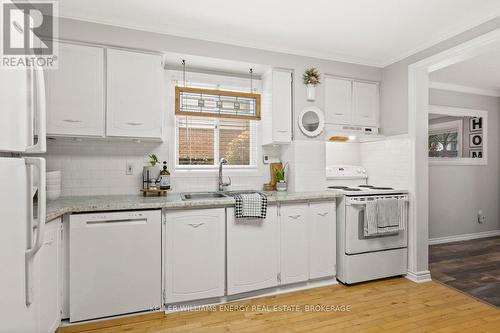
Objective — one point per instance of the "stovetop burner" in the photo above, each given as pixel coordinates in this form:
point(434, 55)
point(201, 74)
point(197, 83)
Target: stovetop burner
point(338, 187)
point(351, 189)
point(366, 186)
point(381, 188)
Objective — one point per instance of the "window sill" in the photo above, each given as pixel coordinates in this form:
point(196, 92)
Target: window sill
point(457, 161)
point(210, 171)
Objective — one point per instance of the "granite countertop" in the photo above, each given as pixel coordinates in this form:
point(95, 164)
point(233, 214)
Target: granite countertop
point(66, 205)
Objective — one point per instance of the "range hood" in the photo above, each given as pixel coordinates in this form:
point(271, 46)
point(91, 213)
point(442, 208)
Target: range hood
point(352, 133)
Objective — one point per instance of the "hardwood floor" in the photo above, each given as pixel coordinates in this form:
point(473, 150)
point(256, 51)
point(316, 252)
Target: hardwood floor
point(470, 266)
point(391, 305)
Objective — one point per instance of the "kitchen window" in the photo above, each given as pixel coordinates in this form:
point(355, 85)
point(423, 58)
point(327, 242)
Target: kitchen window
point(202, 140)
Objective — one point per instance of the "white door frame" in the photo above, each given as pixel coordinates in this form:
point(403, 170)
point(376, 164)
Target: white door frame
point(418, 103)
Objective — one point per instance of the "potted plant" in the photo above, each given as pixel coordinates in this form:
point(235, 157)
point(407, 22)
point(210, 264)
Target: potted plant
point(280, 179)
point(311, 79)
point(153, 168)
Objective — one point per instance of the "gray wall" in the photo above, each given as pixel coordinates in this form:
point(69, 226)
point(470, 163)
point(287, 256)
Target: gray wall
point(457, 193)
point(394, 98)
point(111, 35)
point(59, 152)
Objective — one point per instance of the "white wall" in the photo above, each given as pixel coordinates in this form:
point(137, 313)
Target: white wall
point(112, 156)
point(457, 193)
point(387, 162)
point(343, 153)
point(307, 163)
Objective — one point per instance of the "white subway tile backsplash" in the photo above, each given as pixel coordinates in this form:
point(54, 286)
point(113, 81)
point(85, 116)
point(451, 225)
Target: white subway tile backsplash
point(98, 167)
point(387, 162)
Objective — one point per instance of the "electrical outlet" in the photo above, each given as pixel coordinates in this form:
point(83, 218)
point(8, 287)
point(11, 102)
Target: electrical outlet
point(129, 169)
point(480, 217)
point(267, 159)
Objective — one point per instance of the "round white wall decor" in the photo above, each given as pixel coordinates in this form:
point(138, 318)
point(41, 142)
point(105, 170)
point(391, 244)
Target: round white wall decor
point(311, 121)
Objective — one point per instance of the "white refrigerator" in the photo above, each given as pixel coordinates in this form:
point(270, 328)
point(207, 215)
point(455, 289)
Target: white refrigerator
point(22, 133)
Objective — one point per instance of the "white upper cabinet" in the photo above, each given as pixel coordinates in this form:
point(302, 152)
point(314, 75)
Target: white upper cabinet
point(338, 101)
point(75, 92)
point(277, 107)
point(195, 254)
point(294, 243)
point(322, 229)
point(134, 94)
point(350, 102)
point(252, 252)
point(365, 104)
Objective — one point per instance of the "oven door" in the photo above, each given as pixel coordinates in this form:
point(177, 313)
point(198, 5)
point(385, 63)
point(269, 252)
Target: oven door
point(356, 242)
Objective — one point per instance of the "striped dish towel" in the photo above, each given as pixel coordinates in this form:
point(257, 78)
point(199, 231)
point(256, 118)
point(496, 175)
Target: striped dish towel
point(253, 205)
point(385, 216)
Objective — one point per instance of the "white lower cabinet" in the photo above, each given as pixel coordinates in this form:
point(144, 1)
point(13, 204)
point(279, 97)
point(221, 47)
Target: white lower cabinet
point(252, 252)
point(294, 243)
point(322, 248)
point(50, 278)
point(195, 254)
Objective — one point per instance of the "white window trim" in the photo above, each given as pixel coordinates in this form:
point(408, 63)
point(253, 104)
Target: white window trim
point(215, 167)
point(461, 112)
point(173, 78)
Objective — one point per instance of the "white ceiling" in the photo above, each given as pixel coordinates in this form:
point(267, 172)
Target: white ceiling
point(481, 72)
point(370, 32)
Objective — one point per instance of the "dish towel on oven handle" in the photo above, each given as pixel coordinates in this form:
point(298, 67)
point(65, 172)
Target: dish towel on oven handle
point(385, 216)
point(253, 205)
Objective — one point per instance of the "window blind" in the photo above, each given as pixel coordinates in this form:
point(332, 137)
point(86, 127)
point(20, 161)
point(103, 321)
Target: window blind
point(202, 141)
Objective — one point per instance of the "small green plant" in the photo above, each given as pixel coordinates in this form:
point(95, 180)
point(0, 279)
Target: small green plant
point(153, 160)
point(311, 76)
point(279, 174)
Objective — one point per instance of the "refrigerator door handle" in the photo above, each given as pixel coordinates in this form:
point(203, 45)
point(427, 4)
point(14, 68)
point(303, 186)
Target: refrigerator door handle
point(39, 164)
point(40, 113)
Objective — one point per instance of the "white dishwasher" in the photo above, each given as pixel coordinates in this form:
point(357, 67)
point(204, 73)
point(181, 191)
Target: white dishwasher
point(115, 264)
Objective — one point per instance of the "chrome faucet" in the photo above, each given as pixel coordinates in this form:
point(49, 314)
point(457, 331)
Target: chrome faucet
point(222, 162)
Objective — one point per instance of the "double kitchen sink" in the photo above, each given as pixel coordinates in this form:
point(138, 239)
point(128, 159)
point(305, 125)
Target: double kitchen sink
point(212, 195)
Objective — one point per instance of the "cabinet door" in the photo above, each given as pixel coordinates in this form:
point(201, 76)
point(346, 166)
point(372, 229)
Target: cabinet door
point(252, 252)
point(195, 254)
point(322, 239)
point(365, 104)
point(49, 286)
point(134, 94)
point(338, 101)
point(75, 92)
point(282, 106)
point(294, 243)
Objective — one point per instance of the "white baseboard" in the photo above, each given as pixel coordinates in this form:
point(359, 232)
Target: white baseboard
point(457, 238)
point(186, 306)
point(419, 277)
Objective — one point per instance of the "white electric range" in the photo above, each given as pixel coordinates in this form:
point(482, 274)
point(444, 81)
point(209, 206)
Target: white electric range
point(361, 258)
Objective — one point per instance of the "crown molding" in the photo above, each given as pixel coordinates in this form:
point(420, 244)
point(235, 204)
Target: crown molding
point(463, 89)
